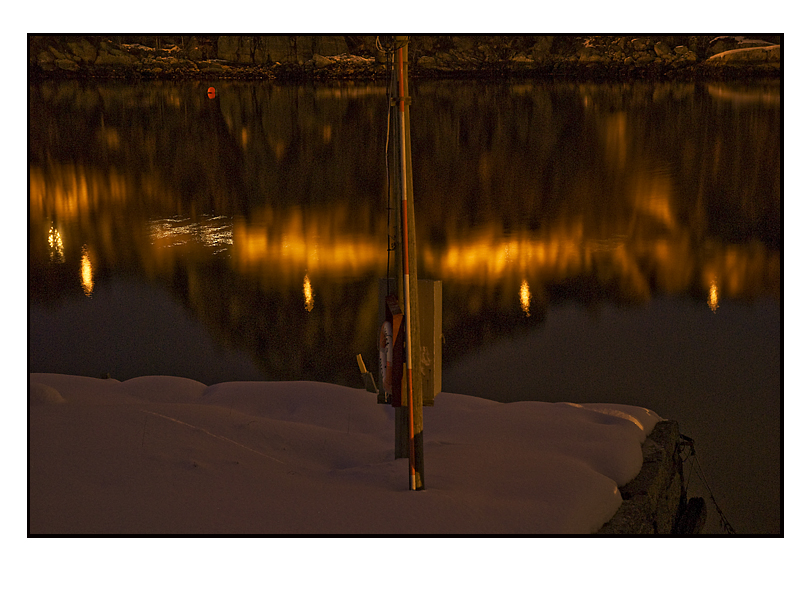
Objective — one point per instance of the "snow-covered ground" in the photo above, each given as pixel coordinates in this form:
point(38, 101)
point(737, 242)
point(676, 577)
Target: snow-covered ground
point(158, 455)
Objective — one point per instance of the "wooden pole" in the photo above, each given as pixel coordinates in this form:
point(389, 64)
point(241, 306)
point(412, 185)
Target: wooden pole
point(406, 291)
point(410, 286)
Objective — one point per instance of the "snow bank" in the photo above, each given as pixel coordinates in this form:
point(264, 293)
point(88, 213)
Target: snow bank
point(171, 455)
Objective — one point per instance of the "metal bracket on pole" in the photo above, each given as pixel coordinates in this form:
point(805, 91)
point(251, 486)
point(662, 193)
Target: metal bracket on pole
point(398, 100)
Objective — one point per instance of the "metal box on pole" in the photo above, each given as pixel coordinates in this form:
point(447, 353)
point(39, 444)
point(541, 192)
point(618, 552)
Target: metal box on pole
point(430, 304)
point(430, 301)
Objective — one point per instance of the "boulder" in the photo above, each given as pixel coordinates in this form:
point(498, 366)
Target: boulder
point(464, 42)
point(587, 53)
point(67, 64)
point(319, 61)
point(639, 44)
point(277, 48)
point(685, 58)
point(209, 66)
point(45, 57)
point(228, 47)
point(330, 45)
point(521, 60)
point(725, 43)
point(770, 53)
point(428, 62)
point(56, 53)
point(114, 59)
point(661, 49)
point(325, 45)
point(193, 50)
point(541, 50)
point(83, 50)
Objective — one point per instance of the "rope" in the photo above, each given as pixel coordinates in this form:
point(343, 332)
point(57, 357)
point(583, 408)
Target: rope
point(389, 46)
point(688, 443)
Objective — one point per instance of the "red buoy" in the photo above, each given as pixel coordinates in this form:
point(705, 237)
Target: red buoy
point(211, 92)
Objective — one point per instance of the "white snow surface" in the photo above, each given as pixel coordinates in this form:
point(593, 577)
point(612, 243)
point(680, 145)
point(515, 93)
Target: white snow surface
point(161, 455)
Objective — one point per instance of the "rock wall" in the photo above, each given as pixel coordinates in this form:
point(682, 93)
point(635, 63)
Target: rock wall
point(364, 56)
point(655, 502)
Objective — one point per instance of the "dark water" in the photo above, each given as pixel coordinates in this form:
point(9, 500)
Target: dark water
point(596, 242)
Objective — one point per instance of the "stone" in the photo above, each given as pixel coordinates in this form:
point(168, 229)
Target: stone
point(521, 60)
point(681, 50)
point(330, 45)
point(639, 44)
point(443, 57)
point(227, 47)
point(770, 53)
point(651, 501)
point(117, 59)
point(487, 53)
point(586, 53)
point(661, 49)
point(725, 43)
point(745, 43)
point(686, 58)
point(427, 62)
point(464, 42)
point(667, 512)
point(209, 66)
point(541, 49)
point(319, 61)
point(195, 53)
point(66, 64)
point(83, 50)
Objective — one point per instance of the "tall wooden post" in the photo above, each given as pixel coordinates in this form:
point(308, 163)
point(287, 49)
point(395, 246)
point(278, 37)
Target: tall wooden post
point(406, 258)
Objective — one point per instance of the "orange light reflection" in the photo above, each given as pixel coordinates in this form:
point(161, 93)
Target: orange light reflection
point(524, 297)
point(308, 294)
point(87, 272)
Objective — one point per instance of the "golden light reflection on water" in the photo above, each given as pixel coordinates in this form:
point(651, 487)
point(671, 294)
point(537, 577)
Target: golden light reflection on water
point(654, 250)
point(284, 247)
point(68, 192)
point(635, 263)
point(308, 294)
point(87, 272)
point(210, 231)
point(713, 296)
point(524, 297)
point(57, 250)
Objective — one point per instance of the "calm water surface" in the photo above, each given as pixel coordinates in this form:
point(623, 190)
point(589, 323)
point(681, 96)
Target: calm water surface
point(596, 242)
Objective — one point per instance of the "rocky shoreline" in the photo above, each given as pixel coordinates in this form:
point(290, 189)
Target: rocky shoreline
point(363, 57)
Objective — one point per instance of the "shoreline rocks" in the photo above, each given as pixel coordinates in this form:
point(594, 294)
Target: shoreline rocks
point(336, 57)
